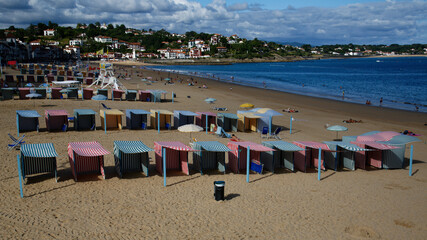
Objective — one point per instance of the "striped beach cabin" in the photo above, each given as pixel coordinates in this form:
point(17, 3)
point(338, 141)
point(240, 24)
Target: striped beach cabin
point(131, 156)
point(37, 158)
point(56, 120)
point(27, 120)
point(283, 157)
point(395, 158)
point(309, 156)
point(137, 118)
point(237, 157)
point(210, 155)
point(342, 155)
point(376, 142)
point(172, 155)
point(86, 158)
point(84, 119)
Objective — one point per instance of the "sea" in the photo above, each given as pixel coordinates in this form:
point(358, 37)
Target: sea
point(401, 82)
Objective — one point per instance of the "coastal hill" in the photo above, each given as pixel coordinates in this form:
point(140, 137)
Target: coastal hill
point(51, 42)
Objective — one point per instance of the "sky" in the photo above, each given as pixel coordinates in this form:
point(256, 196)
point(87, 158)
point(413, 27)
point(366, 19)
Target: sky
point(314, 22)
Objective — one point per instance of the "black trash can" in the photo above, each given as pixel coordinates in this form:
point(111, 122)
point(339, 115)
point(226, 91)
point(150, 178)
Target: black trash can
point(219, 190)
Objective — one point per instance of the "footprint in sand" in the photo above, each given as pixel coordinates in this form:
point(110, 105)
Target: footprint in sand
point(392, 186)
point(403, 223)
point(362, 232)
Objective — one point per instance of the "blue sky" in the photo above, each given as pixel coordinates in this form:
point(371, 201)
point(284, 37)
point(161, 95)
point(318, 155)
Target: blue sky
point(314, 22)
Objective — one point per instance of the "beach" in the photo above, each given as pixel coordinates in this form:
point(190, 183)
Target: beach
point(360, 204)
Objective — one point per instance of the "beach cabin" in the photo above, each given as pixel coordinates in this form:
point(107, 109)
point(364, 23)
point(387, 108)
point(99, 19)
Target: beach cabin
point(248, 121)
point(228, 121)
point(395, 158)
point(87, 93)
point(27, 120)
point(37, 158)
point(84, 119)
point(156, 95)
point(72, 93)
point(282, 157)
point(309, 156)
point(56, 120)
point(210, 155)
point(131, 156)
point(266, 119)
point(111, 119)
point(86, 158)
point(161, 119)
point(342, 155)
point(20, 79)
point(30, 79)
point(9, 79)
point(89, 80)
point(56, 93)
point(131, 95)
point(173, 154)
point(181, 118)
point(237, 157)
point(7, 93)
point(42, 91)
point(40, 78)
point(117, 94)
point(211, 120)
point(23, 92)
point(370, 140)
point(102, 92)
point(144, 96)
point(137, 119)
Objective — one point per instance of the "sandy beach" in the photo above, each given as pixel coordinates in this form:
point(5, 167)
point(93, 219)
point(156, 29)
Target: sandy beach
point(360, 204)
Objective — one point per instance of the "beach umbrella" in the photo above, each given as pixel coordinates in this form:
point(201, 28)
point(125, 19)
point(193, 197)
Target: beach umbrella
point(167, 79)
point(337, 128)
point(247, 105)
point(210, 100)
point(99, 97)
point(33, 95)
point(190, 128)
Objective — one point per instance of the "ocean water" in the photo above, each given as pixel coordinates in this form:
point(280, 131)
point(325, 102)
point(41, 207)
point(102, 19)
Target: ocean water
point(400, 81)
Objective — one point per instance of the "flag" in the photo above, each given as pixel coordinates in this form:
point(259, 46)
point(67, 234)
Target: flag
point(100, 52)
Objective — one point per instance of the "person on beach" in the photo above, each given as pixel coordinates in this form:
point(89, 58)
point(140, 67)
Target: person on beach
point(381, 101)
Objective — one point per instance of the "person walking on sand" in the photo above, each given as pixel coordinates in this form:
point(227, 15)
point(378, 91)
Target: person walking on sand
point(381, 101)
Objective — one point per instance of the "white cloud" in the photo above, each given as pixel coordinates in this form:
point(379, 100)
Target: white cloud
point(377, 22)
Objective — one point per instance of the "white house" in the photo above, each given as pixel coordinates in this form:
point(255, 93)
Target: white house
point(103, 39)
point(76, 42)
point(49, 32)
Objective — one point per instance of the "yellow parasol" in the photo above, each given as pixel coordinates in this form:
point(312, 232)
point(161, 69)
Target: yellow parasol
point(247, 105)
